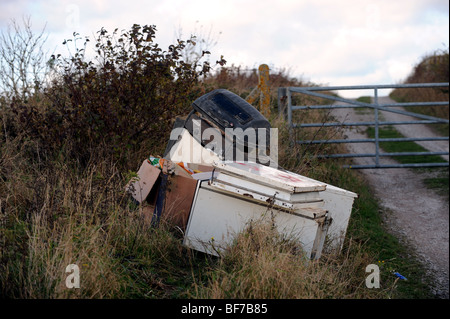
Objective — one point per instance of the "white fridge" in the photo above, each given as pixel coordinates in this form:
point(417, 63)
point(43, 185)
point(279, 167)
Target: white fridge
point(239, 192)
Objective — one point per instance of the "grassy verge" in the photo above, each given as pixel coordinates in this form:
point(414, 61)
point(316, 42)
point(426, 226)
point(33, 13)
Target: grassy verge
point(367, 228)
point(261, 264)
point(66, 152)
point(367, 225)
point(54, 214)
point(440, 184)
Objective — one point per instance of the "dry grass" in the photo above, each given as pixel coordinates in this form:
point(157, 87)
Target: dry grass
point(55, 212)
point(433, 68)
point(264, 265)
point(53, 216)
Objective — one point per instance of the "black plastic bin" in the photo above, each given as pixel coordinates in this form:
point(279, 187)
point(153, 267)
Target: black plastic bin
point(222, 109)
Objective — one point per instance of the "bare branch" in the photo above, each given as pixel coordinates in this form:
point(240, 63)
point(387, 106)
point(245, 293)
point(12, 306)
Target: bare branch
point(23, 66)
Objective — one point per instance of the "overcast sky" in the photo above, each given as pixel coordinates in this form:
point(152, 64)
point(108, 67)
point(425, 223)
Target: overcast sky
point(349, 42)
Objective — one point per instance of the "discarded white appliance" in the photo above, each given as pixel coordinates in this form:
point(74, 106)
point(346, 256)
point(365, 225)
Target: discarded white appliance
point(212, 207)
point(240, 192)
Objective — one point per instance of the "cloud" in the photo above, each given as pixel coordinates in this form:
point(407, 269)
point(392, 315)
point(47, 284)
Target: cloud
point(335, 42)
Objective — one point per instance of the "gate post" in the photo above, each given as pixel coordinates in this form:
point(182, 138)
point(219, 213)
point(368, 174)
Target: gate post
point(282, 96)
point(263, 90)
point(377, 142)
point(289, 108)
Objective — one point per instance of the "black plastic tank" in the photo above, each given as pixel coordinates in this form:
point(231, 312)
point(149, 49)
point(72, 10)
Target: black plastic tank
point(222, 109)
point(228, 110)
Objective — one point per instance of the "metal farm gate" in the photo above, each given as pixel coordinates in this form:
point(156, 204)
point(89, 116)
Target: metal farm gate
point(285, 106)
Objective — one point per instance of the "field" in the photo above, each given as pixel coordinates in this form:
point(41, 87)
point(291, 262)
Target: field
point(68, 149)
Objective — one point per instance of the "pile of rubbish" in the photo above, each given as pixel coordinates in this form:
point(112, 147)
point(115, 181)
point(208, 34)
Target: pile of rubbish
point(218, 173)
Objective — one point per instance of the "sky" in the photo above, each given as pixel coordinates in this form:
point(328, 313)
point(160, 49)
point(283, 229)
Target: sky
point(330, 43)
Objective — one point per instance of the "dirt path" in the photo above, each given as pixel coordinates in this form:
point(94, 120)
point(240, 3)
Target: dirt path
point(413, 213)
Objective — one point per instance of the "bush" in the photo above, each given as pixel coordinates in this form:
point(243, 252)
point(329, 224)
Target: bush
point(433, 68)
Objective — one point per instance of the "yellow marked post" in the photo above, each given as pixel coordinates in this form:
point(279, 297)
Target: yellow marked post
point(264, 100)
point(262, 91)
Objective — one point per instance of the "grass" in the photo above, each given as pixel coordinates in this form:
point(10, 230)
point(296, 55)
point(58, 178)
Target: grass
point(440, 184)
point(64, 163)
point(364, 110)
point(261, 264)
point(364, 99)
point(367, 225)
point(53, 215)
point(436, 111)
point(55, 212)
point(366, 228)
point(399, 147)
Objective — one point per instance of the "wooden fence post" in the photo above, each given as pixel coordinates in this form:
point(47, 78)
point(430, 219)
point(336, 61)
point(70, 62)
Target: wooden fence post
point(282, 102)
point(263, 90)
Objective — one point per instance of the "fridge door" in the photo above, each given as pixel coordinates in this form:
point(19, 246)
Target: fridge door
point(217, 217)
point(250, 186)
point(269, 176)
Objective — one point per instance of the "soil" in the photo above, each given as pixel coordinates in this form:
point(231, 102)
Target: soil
point(418, 216)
